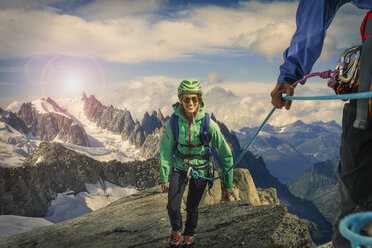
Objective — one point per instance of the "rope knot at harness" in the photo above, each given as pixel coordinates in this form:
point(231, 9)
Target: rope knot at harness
point(326, 74)
point(194, 174)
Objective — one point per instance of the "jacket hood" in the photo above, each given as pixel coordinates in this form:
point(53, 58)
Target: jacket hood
point(178, 110)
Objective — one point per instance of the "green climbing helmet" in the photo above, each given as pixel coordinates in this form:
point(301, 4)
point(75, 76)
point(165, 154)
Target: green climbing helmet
point(189, 86)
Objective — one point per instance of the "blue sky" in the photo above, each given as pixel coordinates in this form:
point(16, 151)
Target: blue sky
point(133, 54)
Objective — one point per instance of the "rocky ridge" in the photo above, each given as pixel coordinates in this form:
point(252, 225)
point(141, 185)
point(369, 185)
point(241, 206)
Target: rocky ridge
point(141, 220)
point(52, 168)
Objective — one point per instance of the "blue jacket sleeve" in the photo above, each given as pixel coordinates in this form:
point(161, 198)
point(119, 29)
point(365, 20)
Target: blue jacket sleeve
point(313, 17)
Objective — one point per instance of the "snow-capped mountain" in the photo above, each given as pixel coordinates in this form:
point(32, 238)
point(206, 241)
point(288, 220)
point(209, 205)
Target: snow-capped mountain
point(47, 121)
point(289, 150)
point(82, 124)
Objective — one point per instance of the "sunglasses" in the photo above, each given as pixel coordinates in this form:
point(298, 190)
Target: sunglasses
point(194, 99)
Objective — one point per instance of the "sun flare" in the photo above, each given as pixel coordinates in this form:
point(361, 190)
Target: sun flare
point(73, 83)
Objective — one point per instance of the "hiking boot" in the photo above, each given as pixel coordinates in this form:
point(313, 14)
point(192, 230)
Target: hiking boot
point(188, 241)
point(175, 239)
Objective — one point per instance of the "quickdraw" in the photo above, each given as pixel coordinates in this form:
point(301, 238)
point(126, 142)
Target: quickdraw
point(348, 71)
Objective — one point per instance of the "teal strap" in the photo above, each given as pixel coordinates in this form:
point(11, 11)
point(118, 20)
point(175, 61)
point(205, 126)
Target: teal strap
point(331, 97)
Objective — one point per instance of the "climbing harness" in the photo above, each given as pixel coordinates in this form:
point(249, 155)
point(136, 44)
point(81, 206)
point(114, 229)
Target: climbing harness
point(351, 226)
point(204, 139)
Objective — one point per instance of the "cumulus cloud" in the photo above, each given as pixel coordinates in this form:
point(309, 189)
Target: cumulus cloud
point(272, 39)
point(214, 78)
point(236, 111)
point(121, 31)
point(144, 94)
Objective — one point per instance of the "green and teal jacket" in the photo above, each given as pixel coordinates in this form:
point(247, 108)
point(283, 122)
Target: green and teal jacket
point(189, 132)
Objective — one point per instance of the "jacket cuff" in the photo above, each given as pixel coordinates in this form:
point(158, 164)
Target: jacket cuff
point(165, 180)
point(227, 186)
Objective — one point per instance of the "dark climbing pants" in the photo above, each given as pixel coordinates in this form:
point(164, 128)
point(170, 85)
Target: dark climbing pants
point(354, 171)
point(177, 185)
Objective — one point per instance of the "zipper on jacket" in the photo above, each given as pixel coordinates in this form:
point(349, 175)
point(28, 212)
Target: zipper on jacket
point(188, 160)
point(189, 126)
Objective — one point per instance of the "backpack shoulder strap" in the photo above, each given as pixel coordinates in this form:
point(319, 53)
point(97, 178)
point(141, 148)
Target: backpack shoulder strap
point(204, 130)
point(174, 126)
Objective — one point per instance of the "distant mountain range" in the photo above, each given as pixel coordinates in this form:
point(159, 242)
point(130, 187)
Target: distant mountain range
point(290, 149)
point(106, 133)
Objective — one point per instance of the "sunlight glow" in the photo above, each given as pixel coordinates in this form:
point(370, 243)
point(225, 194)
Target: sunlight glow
point(73, 83)
point(70, 73)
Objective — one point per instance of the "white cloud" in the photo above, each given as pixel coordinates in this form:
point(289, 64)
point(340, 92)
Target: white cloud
point(237, 112)
point(144, 94)
point(123, 36)
point(273, 39)
point(214, 78)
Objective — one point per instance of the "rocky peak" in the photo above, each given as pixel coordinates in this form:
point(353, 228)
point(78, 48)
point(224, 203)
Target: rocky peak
point(128, 116)
point(160, 116)
point(58, 109)
point(13, 120)
point(115, 120)
point(150, 123)
point(84, 96)
point(48, 126)
point(54, 104)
